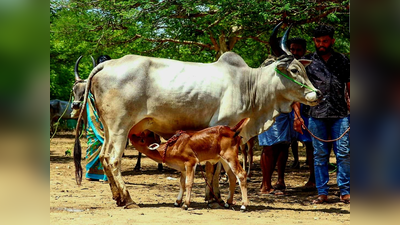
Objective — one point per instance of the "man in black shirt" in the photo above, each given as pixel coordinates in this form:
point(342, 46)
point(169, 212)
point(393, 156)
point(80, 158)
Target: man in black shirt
point(330, 73)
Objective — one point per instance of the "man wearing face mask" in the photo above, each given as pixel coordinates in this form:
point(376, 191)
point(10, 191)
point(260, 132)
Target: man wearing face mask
point(329, 72)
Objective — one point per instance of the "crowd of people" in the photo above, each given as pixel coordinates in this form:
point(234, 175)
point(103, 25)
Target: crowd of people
point(329, 72)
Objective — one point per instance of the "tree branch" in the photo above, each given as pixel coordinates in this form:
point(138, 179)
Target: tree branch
point(254, 38)
point(208, 46)
point(193, 15)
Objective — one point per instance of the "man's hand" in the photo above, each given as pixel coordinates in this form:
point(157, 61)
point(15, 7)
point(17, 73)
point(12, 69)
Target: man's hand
point(348, 101)
point(297, 124)
point(347, 94)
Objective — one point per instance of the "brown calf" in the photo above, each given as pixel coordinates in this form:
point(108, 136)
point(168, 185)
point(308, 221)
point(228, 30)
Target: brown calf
point(213, 144)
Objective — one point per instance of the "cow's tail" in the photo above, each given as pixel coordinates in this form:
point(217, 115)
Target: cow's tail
point(240, 126)
point(77, 146)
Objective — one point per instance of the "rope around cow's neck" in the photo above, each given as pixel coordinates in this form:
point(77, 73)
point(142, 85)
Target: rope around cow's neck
point(304, 126)
point(293, 80)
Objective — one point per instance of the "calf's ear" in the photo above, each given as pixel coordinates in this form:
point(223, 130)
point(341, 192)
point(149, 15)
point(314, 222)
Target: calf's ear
point(240, 126)
point(305, 62)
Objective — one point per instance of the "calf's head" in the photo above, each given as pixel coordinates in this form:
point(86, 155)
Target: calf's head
point(146, 139)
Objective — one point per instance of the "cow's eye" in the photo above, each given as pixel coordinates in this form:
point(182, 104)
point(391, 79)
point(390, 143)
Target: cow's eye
point(294, 70)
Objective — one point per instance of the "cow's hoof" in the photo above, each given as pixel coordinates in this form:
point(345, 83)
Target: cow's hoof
point(243, 208)
point(131, 205)
point(216, 205)
point(177, 204)
point(121, 203)
point(226, 206)
point(185, 207)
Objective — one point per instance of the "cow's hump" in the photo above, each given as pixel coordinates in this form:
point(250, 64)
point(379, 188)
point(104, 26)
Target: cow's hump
point(232, 59)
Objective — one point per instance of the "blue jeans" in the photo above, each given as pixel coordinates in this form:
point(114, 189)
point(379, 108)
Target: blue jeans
point(335, 127)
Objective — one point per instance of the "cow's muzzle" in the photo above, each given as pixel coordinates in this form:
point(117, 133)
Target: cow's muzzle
point(76, 105)
point(313, 97)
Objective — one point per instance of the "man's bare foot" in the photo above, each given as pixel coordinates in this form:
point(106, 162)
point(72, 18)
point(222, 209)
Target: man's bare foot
point(309, 186)
point(321, 199)
point(266, 191)
point(279, 186)
point(345, 199)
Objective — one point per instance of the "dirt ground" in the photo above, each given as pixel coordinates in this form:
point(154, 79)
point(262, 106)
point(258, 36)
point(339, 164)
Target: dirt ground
point(155, 192)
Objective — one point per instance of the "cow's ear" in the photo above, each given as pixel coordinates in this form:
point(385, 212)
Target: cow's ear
point(305, 62)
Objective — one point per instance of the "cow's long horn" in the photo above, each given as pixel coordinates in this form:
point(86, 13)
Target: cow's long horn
point(76, 70)
point(93, 61)
point(273, 41)
point(284, 46)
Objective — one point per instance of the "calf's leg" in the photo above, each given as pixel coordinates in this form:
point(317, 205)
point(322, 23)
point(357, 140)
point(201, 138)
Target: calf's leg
point(137, 167)
point(241, 175)
point(213, 181)
point(232, 183)
point(182, 188)
point(190, 169)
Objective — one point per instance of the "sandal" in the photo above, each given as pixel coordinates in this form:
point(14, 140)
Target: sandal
point(345, 199)
point(321, 199)
point(277, 192)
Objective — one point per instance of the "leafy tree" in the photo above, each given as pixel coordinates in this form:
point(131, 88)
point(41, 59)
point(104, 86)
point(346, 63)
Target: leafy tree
point(189, 30)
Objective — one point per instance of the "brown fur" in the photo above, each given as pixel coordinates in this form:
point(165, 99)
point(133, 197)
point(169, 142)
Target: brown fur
point(213, 144)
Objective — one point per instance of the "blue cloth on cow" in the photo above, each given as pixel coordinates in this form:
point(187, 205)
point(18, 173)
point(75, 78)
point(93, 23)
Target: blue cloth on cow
point(95, 137)
point(280, 131)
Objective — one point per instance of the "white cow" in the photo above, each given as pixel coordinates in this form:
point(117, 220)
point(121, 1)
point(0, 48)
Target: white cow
point(137, 93)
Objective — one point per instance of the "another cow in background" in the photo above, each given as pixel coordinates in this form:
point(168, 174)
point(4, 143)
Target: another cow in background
point(58, 109)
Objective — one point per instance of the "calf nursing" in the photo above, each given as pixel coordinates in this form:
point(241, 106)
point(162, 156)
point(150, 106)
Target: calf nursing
point(213, 144)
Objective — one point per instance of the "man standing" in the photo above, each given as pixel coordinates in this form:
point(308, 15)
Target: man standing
point(275, 142)
point(277, 139)
point(330, 73)
point(298, 47)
